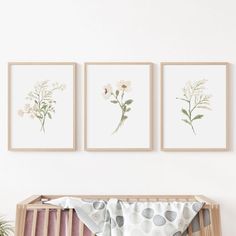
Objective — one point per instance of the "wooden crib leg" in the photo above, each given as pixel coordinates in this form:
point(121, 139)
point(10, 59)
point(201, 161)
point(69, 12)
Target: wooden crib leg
point(216, 220)
point(20, 220)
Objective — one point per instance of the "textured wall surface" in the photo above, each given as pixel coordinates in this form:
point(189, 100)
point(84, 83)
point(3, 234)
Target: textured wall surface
point(124, 30)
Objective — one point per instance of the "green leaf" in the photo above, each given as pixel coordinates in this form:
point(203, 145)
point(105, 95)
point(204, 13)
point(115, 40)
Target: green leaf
point(43, 107)
point(5, 227)
point(185, 112)
point(49, 115)
point(197, 117)
point(35, 101)
point(124, 117)
point(186, 121)
point(114, 101)
point(40, 117)
point(117, 93)
point(128, 102)
point(128, 109)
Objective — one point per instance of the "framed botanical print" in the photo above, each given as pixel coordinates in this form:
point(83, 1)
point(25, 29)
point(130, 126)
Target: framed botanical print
point(118, 106)
point(194, 106)
point(41, 106)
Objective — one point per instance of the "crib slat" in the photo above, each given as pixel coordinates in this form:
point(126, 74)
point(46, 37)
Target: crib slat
point(58, 222)
point(81, 228)
point(202, 230)
point(35, 214)
point(45, 226)
point(190, 230)
point(70, 222)
point(211, 229)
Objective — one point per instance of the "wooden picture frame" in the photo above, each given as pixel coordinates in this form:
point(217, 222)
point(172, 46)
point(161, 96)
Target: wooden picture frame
point(206, 68)
point(52, 79)
point(119, 68)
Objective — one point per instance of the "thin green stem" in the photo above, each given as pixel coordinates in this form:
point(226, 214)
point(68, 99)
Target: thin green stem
point(117, 101)
point(183, 99)
point(42, 124)
point(190, 110)
point(120, 123)
point(122, 112)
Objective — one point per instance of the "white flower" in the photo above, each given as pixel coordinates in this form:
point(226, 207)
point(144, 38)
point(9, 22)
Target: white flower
point(107, 91)
point(124, 86)
point(63, 87)
point(20, 113)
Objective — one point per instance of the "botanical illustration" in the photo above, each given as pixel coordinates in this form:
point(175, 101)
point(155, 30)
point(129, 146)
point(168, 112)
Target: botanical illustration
point(41, 103)
point(118, 98)
point(195, 100)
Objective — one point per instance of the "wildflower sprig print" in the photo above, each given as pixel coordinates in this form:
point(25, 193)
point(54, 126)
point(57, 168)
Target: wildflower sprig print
point(118, 98)
point(195, 98)
point(41, 102)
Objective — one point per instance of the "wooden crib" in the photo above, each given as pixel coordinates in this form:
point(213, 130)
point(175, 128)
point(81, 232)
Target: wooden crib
point(33, 218)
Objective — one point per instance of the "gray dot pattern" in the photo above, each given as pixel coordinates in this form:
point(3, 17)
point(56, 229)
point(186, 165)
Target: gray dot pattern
point(159, 220)
point(171, 215)
point(148, 213)
point(99, 205)
point(120, 221)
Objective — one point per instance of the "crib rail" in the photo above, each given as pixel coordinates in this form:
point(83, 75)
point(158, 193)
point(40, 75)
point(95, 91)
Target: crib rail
point(34, 209)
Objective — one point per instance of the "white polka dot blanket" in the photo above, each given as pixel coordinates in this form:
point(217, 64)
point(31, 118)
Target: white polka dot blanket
point(120, 218)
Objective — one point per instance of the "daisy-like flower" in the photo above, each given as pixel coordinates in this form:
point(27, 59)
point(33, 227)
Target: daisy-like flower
point(124, 86)
point(118, 98)
point(107, 91)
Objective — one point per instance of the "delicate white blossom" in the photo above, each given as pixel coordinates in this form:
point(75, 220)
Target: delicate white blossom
point(118, 98)
point(124, 86)
point(42, 102)
point(107, 91)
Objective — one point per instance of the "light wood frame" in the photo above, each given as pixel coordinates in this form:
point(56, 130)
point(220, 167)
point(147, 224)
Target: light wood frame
point(74, 148)
point(150, 148)
point(162, 64)
point(36, 203)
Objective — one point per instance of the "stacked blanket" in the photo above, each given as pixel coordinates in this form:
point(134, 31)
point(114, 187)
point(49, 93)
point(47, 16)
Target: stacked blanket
point(120, 218)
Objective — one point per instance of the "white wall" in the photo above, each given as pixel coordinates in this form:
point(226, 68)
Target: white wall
point(121, 30)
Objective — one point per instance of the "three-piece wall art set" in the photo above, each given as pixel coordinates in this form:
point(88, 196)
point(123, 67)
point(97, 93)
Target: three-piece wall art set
point(118, 106)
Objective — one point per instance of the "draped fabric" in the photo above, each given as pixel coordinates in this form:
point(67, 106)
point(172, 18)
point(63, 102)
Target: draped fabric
point(120, 218)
